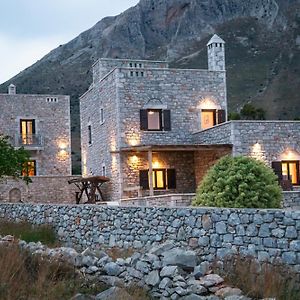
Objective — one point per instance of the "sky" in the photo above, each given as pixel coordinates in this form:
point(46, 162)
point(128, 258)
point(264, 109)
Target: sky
point(29, 29)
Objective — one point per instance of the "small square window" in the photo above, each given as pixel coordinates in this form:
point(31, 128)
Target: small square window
point(29, 168)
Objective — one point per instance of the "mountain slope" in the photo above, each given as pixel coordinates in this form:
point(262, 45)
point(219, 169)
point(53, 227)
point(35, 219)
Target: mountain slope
point(262, 51)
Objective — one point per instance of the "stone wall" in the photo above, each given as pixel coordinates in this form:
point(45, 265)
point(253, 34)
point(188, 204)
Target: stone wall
point(52, 127)
point(43, 189)
point(170, 200)
point(291, 200)
point(268, 235)
point(265, 140)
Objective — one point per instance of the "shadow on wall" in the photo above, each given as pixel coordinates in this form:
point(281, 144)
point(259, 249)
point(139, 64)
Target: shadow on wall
point(15, 195)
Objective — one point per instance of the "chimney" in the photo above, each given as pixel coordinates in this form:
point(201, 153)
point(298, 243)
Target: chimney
point(12, 89)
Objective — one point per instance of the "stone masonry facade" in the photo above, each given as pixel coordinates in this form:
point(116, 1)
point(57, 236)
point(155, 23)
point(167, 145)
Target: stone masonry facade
point(265, 140)
point(267, 235)
point(51, 115)
point(41, 124)
point(111, 117)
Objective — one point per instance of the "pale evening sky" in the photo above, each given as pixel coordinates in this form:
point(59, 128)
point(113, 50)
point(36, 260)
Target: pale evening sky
point(29, 29)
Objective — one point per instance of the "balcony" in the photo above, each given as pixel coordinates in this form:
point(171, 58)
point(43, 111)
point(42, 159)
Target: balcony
point(29, 142)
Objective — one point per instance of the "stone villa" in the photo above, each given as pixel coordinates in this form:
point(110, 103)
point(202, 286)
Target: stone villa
point(155, 130)
point(40, 124)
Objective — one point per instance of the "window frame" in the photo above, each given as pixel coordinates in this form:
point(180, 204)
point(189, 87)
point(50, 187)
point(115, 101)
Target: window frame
point(214, 111)
point(160, 112)
point(154, 174)
point(25, 172)
point(288, 162)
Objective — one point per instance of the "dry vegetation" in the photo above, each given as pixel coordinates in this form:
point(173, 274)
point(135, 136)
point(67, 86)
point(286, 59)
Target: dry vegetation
point(261, 281)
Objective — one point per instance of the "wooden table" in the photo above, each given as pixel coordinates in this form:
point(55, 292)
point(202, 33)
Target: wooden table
point(90, 186)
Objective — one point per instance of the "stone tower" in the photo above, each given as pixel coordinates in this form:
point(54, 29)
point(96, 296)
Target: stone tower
point(216, 54)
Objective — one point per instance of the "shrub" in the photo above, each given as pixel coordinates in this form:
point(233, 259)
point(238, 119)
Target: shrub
point(240, 182)
point(29, 233)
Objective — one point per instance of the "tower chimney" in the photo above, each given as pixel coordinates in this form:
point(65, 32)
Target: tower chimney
point(12, 90)
point(216, 54)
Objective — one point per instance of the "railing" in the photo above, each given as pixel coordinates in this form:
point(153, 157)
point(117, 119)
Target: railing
point(29, 141)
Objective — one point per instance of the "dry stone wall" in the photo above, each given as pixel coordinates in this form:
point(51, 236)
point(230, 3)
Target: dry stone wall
point(268, 235)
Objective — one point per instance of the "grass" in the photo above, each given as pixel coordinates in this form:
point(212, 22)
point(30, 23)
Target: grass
point(29, 233)
point(261, 281)
point(24, 276)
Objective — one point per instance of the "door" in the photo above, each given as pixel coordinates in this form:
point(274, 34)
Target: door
point(27, 130)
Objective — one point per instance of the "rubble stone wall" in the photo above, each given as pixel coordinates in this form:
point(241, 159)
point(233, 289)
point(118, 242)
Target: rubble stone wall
point(268, 235)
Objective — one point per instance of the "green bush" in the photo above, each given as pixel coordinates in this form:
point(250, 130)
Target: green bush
point(240, 182)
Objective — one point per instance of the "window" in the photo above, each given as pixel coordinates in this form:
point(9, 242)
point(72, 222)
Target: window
point(212, 117)
point(287, 171)
point(155, 120)
point(29, 169)
point(103, 170)
point(162, 179)
point(290, 171)
point(101, 116)
point(27, 131)
point(90, 134)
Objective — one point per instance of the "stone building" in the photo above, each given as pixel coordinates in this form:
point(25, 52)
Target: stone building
point(40, 124)
point(155, 130)
point(138, 118)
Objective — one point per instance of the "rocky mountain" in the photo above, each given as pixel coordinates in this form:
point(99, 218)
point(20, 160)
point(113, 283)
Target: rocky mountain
point(263, 50)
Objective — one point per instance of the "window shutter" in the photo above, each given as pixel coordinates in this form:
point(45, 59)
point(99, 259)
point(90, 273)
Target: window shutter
point(277, 168)
point(221, 116)
point(144, 181)
point(171, 175)
point(144, 119)
point(167, 120)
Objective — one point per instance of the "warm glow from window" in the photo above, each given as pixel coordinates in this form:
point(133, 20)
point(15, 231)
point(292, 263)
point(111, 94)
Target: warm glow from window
point(290, 171)
point(154, 120)
point(29, 169)
point(208, 119)
point(158, 177)
point(156, 165)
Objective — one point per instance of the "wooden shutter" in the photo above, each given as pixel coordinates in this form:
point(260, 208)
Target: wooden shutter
point(167, 120)
point(277, 167)
point(221, 116)
point(144, 119)
point(171, 176)
point(144, 181)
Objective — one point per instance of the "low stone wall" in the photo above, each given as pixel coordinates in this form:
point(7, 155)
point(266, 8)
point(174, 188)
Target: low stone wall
point(173, 200)
point(43, 189)
point(268, 235)
point(291, 200)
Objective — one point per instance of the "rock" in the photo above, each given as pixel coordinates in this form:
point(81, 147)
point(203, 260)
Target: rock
point(88, 261)
point(166, 282)
point(113, 269)
point(87, 252)
point(114, 293)
point(169, 271)
point(152, 278)
point(142, 266)
point(186, 259)
point(197, 288)
point(82, 297)
point(192, 297)
point(201, 270)
point(158, 250)
point(241, 297)
point(92, 270)
point(134, 273)
point(111, 280)
point(181, 291)
point(228, 291)
point(211, 280)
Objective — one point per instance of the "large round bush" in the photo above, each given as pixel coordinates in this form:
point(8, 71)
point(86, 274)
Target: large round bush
point(240, 182)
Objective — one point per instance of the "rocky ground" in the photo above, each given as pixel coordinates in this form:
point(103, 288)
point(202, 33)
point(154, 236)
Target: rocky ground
point(165, 271)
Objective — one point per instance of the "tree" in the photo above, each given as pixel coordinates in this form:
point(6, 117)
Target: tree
point(240, 182)
point(250, 112)
point(12, 161)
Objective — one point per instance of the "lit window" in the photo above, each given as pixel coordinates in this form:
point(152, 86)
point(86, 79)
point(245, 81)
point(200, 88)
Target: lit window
point(27, 131)
point(290, 171)
point(154, 120)
point(208, 118)
point(29, 168)
point(159, 179)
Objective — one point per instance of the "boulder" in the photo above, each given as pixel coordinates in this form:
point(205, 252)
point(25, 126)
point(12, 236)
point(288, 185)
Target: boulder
point(169, 271)
point(82, 297)
point(186, 259)
point(160, 249)
point(114, 293)
point(211, 280)
point(228, 291)
point(113, 269)
point(152, 278)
